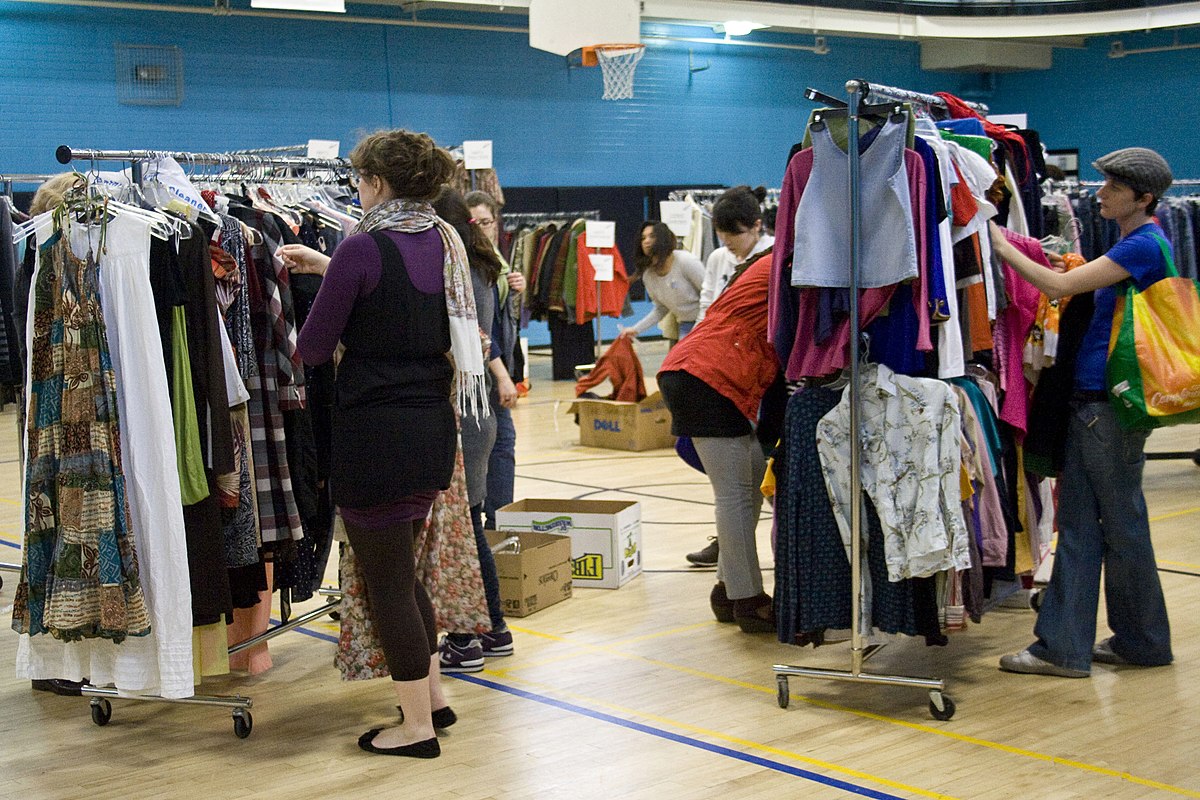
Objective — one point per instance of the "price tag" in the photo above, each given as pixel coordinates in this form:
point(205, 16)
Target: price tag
point(603, 265)
point(477, 154)
point(677, 215)
point(601, 234)
point(324, 148)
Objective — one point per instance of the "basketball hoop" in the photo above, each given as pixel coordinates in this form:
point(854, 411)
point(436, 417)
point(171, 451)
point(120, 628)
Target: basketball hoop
point(617, 64)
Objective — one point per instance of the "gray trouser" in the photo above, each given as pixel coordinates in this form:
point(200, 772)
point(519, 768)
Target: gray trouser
point(735, 467)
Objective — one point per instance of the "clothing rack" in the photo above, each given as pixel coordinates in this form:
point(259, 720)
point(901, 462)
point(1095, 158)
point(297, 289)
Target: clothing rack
point(514, 220)
point(66, 154)
point(876, 92)
point(287, 148)
point(696, 194)
point(7, 181)
point(941, 706)
point(1069, 184)
point(243, 722)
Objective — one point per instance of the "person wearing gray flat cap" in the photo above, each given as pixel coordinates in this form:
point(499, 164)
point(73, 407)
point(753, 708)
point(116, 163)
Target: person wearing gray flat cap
point(1102, 518)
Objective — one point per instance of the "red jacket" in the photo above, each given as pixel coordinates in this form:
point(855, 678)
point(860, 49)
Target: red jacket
point(612, 293)
point(620, 365)
point(729, 350)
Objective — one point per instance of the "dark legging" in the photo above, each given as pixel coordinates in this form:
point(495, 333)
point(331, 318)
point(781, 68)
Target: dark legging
point(400, 608)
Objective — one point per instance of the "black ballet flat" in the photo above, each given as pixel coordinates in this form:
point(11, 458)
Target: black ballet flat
point(426, 749)
point(444, 717)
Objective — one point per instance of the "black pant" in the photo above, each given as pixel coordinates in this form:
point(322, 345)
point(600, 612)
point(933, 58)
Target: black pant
point(400, 608)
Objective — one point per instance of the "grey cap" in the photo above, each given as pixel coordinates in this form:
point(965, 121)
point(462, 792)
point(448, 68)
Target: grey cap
point(1140, 168)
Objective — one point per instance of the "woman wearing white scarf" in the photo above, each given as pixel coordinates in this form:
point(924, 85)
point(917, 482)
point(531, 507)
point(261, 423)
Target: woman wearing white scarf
point(397, 296)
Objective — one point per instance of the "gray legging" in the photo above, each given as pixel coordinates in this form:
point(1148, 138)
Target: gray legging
point(400, 608)
point(735, 467)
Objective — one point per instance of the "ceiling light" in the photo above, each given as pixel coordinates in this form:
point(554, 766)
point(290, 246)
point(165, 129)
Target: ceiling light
point(737, 27)
point(331, 6)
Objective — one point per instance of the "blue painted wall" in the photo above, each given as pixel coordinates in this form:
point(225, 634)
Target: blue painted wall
point(254, 82)
point(1099, 104)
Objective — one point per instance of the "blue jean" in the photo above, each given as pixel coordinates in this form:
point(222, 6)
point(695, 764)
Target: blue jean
point(502, 466)
point(1102, 520)
point(487, 570)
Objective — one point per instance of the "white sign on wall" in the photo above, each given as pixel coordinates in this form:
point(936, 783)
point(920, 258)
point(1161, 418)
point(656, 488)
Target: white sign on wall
point(477, 154)
point(677, 215)
point(601, 234)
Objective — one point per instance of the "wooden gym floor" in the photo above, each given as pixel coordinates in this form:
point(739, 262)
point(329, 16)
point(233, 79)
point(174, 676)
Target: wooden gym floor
point(639, 693)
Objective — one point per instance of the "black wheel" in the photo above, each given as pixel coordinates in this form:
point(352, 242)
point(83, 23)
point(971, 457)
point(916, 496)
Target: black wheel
point(243, 723)
point(1035, 599)
point(101, 711)
point(1196, 458)
point(945, 712)
point(782, 693)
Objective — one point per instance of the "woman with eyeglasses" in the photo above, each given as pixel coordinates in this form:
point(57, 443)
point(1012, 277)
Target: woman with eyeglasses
point(510, 288)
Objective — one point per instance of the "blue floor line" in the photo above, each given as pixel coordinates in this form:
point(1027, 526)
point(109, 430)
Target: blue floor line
point(328, 637)
point(759, 761)
point(767, 763)
point(10, 544)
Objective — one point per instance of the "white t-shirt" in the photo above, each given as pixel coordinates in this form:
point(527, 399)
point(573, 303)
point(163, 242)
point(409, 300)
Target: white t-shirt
point(719, 269)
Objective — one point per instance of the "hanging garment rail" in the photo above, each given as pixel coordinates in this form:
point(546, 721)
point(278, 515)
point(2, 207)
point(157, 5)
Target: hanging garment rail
point(1181, 183)
point(940, 705)
point(7, 181)
point(66, 154)
point(871, 91)
point(516, 219)
point(696, 194)
point(287, 148)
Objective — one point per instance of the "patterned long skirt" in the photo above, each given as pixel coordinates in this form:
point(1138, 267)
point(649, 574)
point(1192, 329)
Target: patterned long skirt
point(79, 576)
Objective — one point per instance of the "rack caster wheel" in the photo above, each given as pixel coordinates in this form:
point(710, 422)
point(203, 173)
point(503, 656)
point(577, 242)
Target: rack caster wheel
point(783, 694)
point(1035, 600)
point(101, 711)
point(941, 706)
point(243, 723)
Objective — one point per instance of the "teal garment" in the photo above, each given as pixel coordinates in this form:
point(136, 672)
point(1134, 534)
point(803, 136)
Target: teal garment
point(987, 420)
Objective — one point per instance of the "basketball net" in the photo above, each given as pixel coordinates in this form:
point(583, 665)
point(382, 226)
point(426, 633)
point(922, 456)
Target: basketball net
point(617, 64)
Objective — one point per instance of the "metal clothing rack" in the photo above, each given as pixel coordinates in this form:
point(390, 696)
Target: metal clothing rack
point(7, 181)
point(287, 148)
point(515, 219)
point(66, 154)
point(941, 706)
point(243, 722)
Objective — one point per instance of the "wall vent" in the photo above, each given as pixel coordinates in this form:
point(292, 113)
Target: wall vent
point(149, 75)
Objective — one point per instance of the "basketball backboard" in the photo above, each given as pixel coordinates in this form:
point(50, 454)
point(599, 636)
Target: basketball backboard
point(564, 26)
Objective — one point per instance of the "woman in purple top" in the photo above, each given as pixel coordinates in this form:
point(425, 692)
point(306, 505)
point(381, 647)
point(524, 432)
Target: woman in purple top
point(397, 296)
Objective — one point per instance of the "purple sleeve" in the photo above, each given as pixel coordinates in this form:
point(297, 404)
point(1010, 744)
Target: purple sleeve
point(353, 271)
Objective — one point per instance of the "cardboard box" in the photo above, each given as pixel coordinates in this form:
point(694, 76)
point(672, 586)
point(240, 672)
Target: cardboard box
point(606, 535)
point(624, 426)
point(534, 575)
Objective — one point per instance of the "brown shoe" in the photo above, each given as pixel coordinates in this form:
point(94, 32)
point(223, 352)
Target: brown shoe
point(755, 614)
point(722, 606)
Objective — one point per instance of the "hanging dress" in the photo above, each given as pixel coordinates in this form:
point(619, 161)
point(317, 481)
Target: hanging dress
point(80, 572)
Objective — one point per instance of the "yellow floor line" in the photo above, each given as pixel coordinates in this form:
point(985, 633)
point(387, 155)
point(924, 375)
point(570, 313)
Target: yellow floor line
point(973, 740)
point(724, 737)
point(1174, 514)
point(670, 632)
point(1179, 564)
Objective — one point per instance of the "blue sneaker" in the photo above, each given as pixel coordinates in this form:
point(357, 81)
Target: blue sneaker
point(457, 658)
point(497, 644)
